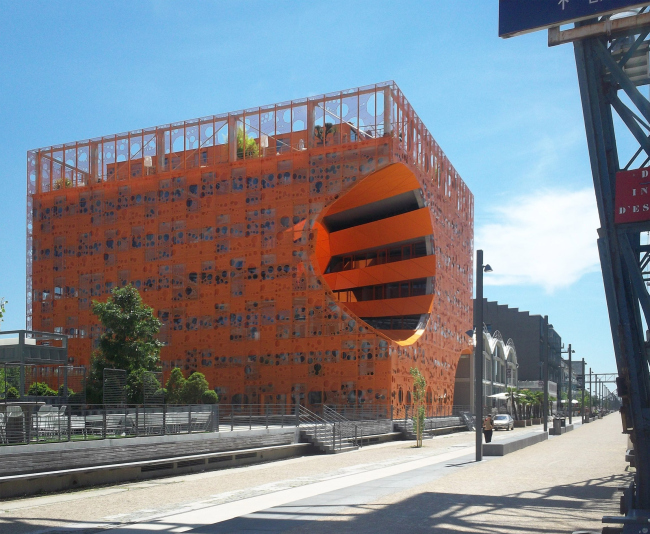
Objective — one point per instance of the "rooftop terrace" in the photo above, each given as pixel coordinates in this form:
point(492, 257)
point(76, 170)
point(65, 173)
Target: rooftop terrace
point(276, 130)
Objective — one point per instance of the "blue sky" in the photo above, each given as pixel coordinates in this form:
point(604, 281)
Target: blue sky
point(506, 112)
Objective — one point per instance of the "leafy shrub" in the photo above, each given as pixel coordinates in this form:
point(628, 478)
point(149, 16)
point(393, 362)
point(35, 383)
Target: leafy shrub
point(62, 391)
point(175, 386)
point(194, 388)
point(12, 393)
point(209, 397)
point(41, 389)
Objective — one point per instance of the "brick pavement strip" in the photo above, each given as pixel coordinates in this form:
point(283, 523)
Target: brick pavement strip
point(556, 486)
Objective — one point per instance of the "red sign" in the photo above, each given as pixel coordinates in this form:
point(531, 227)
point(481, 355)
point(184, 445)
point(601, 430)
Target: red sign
point(632, 202)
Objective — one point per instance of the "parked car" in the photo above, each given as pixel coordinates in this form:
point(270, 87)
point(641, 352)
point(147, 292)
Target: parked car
point(503, 421)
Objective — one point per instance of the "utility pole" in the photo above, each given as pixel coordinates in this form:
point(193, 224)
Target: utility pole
point(588, 420)
point(478, 353)
point(545, 410)
point(582, 403)
point(478, 356)
point(570, 387)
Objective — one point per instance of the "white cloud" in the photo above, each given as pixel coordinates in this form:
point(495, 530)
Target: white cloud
point(546, 238)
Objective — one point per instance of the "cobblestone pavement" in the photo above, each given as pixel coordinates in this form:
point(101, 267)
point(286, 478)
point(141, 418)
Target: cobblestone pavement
point(561, 485)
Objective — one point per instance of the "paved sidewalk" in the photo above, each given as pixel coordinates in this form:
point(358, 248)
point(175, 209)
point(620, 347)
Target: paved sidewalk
point(561, 485)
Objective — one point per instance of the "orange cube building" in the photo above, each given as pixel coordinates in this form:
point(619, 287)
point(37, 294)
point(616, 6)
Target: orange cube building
point(303, 252)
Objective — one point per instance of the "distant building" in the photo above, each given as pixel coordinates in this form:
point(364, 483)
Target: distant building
point(528, 332)
point(500, 371)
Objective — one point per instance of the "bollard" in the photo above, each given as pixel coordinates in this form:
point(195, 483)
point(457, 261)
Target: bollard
point(189, 419)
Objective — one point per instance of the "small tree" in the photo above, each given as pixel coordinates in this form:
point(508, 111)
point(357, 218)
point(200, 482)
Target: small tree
point(419, 393)
point(139, 383)
point(323, 133)
point(129, 341)
point(175, 386)
point(246, 145)
point(513, 397)
point(41, 389)
point(538, 402)
point(194, 388)
point(526, 400)
point(3, 302)
point(209, 397)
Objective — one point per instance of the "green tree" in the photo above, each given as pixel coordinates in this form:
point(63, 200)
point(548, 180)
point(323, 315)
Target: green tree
point(538, 402)
point(3, 302)
point(141, 383)
point(322, 134)
point(419, 393)
point(41, 389)
point(129, 340)
point(9, 377)
point(513, 397)
point(194, 388)
point(526, 401)
point(175, 385)
point(246, 145)
point(209, 397)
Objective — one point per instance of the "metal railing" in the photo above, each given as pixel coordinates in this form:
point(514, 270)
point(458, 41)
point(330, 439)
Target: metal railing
point(25, 423)
point(330, 429)
point(442, 417)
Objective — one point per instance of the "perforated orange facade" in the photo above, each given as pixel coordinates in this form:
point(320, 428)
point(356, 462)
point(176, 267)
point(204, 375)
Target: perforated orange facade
point(309, 251)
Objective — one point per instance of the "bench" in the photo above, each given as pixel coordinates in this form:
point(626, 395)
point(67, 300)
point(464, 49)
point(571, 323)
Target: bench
point(512, 444)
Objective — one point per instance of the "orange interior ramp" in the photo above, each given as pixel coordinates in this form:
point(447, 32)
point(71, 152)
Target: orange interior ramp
point(383, 274)
point(388, 307)
point(396, 229)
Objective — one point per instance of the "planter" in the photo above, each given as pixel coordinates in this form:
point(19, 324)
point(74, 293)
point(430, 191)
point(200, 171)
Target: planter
point(537, 421)
point(520, 424)
point(529, 422)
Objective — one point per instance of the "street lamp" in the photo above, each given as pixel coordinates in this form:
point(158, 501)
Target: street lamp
point(570, 397)
point(478, 353)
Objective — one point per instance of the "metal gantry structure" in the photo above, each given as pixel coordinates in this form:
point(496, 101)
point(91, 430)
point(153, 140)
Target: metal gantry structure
point(604, 59)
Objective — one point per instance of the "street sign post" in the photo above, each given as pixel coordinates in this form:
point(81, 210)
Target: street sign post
point(523, 16)
point(580, 380)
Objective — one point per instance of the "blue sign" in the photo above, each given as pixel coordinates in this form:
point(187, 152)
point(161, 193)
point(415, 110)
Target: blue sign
point(521, 16)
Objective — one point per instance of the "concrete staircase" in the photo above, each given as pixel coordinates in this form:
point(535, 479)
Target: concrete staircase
point(330, 433)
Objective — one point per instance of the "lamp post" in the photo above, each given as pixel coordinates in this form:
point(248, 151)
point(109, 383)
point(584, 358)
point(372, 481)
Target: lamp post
point(478, 353)
point(545, 376)
point(570, 391)
point(590, 397)
point(582, 404)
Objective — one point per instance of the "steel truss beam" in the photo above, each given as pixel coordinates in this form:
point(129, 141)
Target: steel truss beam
point(625, 263)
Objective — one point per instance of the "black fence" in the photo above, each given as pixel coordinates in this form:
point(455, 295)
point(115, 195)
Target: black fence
point(32, 422)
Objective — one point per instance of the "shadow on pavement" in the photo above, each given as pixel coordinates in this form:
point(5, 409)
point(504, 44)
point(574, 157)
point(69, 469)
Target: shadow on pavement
point(557, 509)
